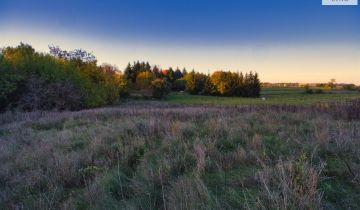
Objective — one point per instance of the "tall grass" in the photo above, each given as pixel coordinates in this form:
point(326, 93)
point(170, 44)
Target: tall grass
point(180, 157)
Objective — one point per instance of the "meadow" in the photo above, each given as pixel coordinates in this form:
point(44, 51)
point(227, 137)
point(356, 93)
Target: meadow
point(269, 96)
point(174, 155)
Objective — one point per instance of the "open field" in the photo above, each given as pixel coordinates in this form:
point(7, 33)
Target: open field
point(285, 90)
point(299, 90)
point(162, 156)
point(275, 98)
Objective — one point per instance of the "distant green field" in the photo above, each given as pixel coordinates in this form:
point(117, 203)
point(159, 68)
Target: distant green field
point(270, 99)
point(277, 91)
point(298, 90)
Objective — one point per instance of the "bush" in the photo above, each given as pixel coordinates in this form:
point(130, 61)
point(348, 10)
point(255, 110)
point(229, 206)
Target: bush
point(318, 91)
point(350, 87)
point(188, 193)
point(40, 95)
point(160, 88)
point(291, 185)
point(308, 90)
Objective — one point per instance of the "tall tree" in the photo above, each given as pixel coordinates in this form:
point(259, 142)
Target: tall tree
point(170, 76)
point(130, 73)
point(156, 72)
point(147, 67)
point(177, 74)
point(184, 71)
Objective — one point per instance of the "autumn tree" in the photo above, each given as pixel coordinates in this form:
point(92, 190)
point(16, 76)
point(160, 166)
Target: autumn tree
point(143, 80)
point(195, 82)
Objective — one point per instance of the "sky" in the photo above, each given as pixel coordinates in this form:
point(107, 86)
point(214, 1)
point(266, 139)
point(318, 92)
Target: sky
point(282, 40)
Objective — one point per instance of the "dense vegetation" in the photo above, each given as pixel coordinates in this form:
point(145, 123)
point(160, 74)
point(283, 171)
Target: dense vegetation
point(72, 80)
point(182, 157)
point(286, 150)
point(223, 84)
point(220, 83)
point(63, 80)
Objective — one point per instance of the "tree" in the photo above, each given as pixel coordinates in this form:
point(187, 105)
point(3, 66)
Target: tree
point(177, 74)
point(179, 85)
point(156, 72)
point(110, 69)
point(209, 88)
point(9, 83)
point(255, 86)
point(77, 54)
point(132, 71)
point(129, 73)
point(170, 76)
point(240, 90)
point(195, 82)
point(332, 83)
point(147, 67)
point(184, 72)
point(224, 82)
point(143, 80)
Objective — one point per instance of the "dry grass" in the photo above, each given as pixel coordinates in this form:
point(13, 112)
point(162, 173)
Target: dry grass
point(162, 156)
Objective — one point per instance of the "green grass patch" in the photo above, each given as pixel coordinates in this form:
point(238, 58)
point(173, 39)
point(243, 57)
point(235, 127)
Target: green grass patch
point(277, 99)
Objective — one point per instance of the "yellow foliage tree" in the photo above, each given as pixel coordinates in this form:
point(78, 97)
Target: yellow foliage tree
point(143, 80)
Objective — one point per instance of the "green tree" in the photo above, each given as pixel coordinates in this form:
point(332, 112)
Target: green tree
point(177, 74)
point(184, 72)
point(170, 76)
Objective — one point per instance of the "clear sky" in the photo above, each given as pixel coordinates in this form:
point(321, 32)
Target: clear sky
point(283, 40)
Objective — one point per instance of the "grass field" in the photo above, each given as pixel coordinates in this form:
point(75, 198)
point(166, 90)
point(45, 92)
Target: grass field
point(292, 97)
point(300, 90)
point(162, 155)
point(281, 91)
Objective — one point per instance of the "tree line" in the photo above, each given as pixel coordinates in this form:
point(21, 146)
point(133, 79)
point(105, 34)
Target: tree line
point(220, 83)
point(223, 83)
point(72, 80)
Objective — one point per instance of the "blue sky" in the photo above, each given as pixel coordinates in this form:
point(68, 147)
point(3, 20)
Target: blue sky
point(284, 40)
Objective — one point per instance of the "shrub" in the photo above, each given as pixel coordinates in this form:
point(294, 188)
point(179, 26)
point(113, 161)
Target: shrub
point(60, 95)
point(187, 193)
point(291, 185)
point(160, 88)
point(308, 90)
